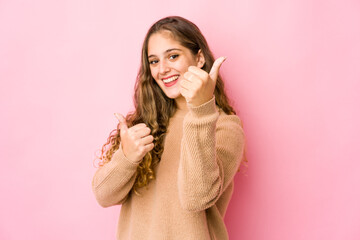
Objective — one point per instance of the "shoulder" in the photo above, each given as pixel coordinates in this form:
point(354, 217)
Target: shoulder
point(228, 119)
point(229, 123)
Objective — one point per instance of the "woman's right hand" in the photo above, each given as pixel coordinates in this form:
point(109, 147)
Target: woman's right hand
point(136, 141)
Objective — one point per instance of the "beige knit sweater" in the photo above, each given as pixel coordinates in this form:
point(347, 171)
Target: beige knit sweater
point(194, 180)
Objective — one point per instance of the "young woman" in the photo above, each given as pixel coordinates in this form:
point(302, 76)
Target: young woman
point(171, 163)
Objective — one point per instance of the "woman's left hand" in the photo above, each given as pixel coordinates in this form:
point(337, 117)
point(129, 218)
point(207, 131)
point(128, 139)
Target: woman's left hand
point(198, 86)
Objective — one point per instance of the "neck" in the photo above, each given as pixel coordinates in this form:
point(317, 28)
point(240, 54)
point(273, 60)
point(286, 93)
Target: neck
point(181, 103)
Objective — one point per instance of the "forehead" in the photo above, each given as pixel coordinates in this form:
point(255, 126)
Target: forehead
point(161, 41)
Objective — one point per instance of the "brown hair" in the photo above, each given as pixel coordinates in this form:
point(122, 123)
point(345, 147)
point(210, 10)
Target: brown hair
point(152, 106)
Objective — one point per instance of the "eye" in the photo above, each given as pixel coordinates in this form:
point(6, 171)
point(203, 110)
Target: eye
point(152, 62)
point(174, 56)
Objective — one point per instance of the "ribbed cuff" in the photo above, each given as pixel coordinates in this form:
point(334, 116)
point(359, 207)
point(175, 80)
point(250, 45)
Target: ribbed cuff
point(204, 109)
point(120, 157)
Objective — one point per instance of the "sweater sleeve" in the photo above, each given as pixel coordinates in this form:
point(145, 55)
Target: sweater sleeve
point(211, 150)
point(112, 182)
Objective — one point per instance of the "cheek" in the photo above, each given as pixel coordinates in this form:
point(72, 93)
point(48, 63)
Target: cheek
point(153, 72)
point(180, 67)
point(186, 64)
point(154, 75)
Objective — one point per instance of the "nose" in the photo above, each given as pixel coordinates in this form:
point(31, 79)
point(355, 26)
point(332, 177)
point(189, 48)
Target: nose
point(164, 67)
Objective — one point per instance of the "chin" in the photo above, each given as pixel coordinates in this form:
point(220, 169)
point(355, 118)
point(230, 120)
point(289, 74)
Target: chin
point(173, 96)
point(172, 93)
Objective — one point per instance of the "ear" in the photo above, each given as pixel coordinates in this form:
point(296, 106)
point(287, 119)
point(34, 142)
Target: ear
point(200, 59)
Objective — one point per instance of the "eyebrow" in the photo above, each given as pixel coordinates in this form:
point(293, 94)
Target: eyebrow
point(169, 50)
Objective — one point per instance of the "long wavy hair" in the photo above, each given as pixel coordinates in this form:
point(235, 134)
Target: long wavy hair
point(152, 106)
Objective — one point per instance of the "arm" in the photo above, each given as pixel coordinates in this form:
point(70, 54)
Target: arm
point(211, 151)
point(112, 182)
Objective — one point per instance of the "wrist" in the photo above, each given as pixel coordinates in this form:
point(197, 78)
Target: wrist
point(207, 108)
point(200, 102)
point(128, 156)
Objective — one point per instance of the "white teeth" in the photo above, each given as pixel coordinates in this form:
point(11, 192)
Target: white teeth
point(170, 79)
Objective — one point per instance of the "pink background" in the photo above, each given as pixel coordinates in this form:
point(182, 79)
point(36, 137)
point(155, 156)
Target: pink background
point(293, 72)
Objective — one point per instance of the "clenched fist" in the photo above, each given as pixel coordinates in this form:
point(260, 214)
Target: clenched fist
point(136, 141)
point(198, 86)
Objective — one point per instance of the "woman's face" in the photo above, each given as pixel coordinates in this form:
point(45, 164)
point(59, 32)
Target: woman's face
point(169, 61)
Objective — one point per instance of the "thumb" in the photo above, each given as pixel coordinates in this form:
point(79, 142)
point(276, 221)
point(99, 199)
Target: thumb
point(123, 125)
point(214, 72)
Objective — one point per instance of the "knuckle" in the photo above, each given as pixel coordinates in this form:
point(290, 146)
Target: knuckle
point(196, 90)
point(132, 137)
point(204, 75)
point(141, 149)
point(137, 144)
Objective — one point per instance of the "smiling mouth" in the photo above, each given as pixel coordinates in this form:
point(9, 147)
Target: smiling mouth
point(170, 79)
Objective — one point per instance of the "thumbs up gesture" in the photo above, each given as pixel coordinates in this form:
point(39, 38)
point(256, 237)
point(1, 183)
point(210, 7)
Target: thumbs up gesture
point(198, 86)
point(136, 141)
